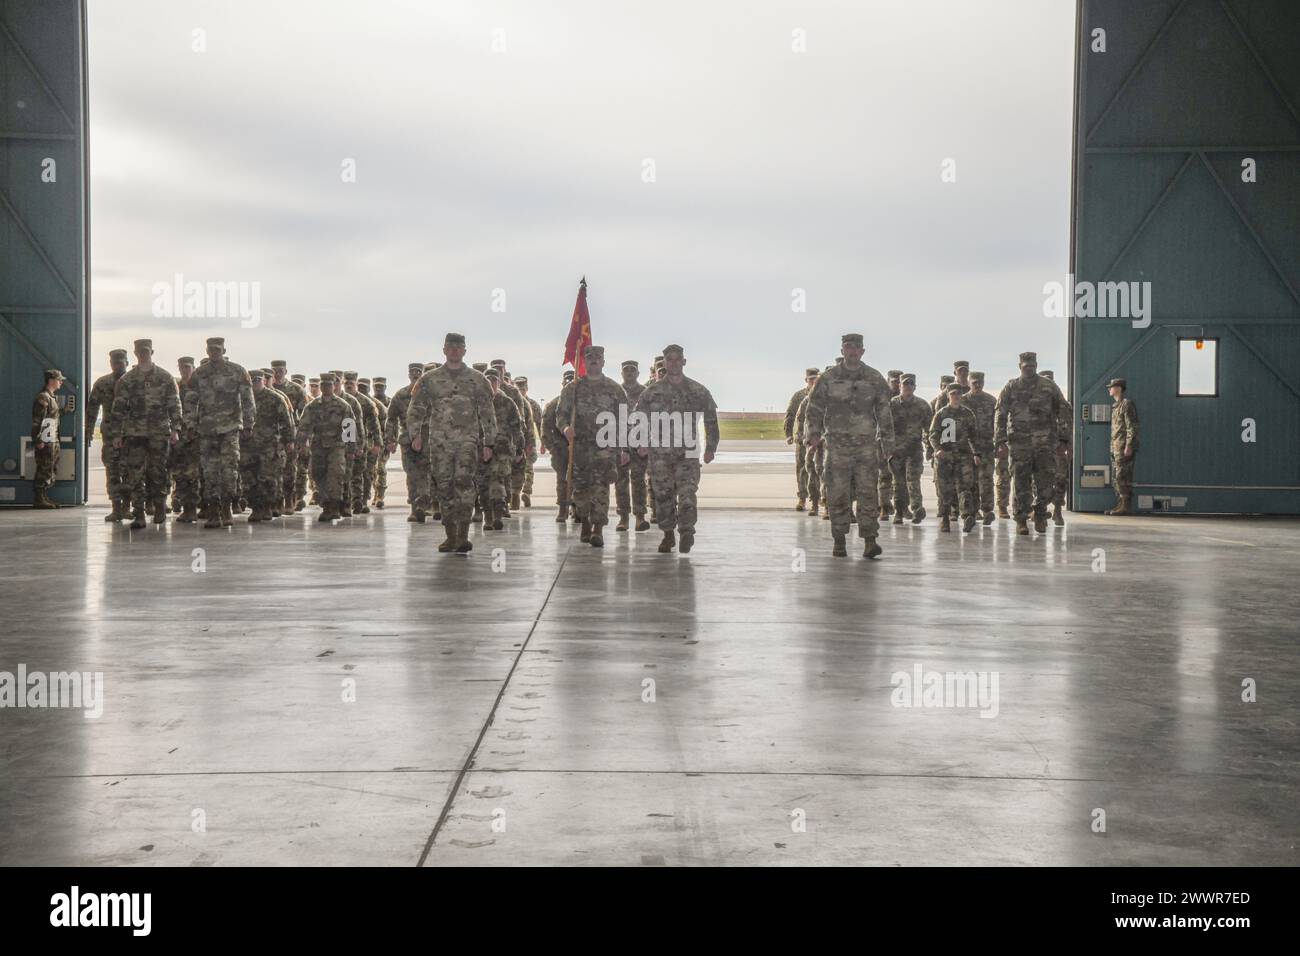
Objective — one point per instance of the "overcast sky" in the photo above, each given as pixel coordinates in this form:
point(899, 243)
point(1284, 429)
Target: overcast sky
point(520, 169)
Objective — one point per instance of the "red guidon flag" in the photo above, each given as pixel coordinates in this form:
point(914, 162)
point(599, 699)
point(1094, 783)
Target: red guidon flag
point(575, 347)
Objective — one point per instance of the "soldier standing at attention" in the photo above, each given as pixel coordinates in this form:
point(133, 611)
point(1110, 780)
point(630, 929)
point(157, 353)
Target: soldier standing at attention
point(676, 468)
point(353, 480)
point(185, 453)
point(263, 469)
point(952, 434)
point(297, 395)
point(554, 441)
point(1123, 445)
point(455, 403)
point(885, 489)
point(222, 408)
point(1028, 413)
point(912, 417)
point(45, 438)
point(630, 487)
point(147, 420)
point(380, 395)
point(791, 416)
point(328, 427)
point(509, 447)
point(596, 399)
point(849, 410)
point(985, 407)
point(363, 468)
point(534, 409)
point(812, 458)
point(413, 462)
point(101, 397)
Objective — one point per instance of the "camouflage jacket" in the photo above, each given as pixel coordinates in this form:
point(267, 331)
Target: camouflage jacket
point(912, 417)
point(223, 399)
point(961, 427)
point(1028, 412)
point(296, 394)
point(274, 426)
point(186, 392)
point(1124, 425)
point(45, 407)
point(511, 391)
point(552, 435)
point(323, 422)
point(592, 396)
point(510, 428)
point(985, 407)
point(373, 422)
point(690, 399)
point(101, 396)
point(395, 425)
point(851, 407)
point(358, 415)
point(792, 410)
point(801, 421)
point(535, 409)
point(146, 404)
point(455, 405)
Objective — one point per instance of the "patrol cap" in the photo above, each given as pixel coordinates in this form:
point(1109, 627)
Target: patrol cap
point(494, 374)
point(498, 363)
point(567, 376)
point(266, 371)
point(279, 363)
point(363, 381)
point(594, 351)
point(810, 372)
point(327, 378)
point(956, 387)
point(417, 366)
point(298, 377)
point(673, 349)
point(140, 344)
point(947, 379)
point(908, 378)
point(894, 373)
point(1048, 374)
point(977, 377)
point(1121, 382)
point(336, 372)
point(1028, 358)
point(185, 360)
point(960, 364)
point(349, 376)
point(313, 381)
point(454, 338)
point(216, 342)
point(379, 380)
point(480, 366)
point(256, 374)
point(631, 363)
point(121, 354)
point(851, 338)
point(54, 373)
point(521, 381)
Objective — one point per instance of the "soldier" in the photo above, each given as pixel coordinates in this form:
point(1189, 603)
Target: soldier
point(885, 489)
point(282, 382)
point(414, 463)
point(679, 401)
point(313, 387)
point(912, 417)
point(553, 440)
point(813, 458)
point(380, 395)
point(1026, 424)
point(1065, 430)
point(372, 461)
point(221, 410)
point(45, 438)
point(515, 484)
point(952, 435)
point(629, 488)
point(185, 453)
point(262, 464)
point(509, 446)
point(586, 405)
point(800, 460)
point(535, 410)
point(455, 402)
point(328, 426)
point(101, 396)
point(849, 410)
point(146, 422)
point(985, 407)
point(353, 479)
point(304, 454)
point(368, 433)
point(1123, 445)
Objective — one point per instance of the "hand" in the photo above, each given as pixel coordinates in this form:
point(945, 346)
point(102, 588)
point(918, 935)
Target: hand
point(392, 448)
point(643, 452)
point(288, 449)
point(117, 442)
point(40, 445)
point(173, 438)
point(789, 441)
point(486, 454)
point(939, 454)
point(1001, 452)
point(977, 460)
point(624, 458)
point(374, 450)
point(417, 444)
point(1128, 451)
point(708, 457)
point(568, 433)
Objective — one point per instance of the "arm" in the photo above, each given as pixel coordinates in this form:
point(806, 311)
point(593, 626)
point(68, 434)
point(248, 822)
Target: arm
point(791, 412)
point(815, 420)
point(92, 413)
point(246, 401)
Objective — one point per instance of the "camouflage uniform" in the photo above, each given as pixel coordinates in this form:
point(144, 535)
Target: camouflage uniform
point(146, 410)
point(850, 407)
point(414, 463)
point(494, 480)
point(912, 419)
point(1028, 413)
point(297, 396)
point(101, 397)
point(985, 407)
point(1123, 433)
point(326, 425)
point(885, 489)
point(676, 469)
point(558, 446)
point(1065, 431)
point(800, 460)
point(952, 433)
point(45, 431)
point(185, 457)
point(814, 459)
point(629, 486)
point(515, 478)
point(368, 435)
point(222, 408)
point(456, 407)
point(353, 465)
point(534, 409)
point(381, 467)
point(594, 468)
point(262, 455)
point(373, 457)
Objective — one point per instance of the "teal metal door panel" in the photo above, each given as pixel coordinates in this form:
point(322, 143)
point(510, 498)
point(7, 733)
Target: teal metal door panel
point(44, 259)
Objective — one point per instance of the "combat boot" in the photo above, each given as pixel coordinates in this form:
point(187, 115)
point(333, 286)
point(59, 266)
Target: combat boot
point(514, 502)
point(1040, 523)
point(450, 543)
point(918, 515)
point(41, 500)
point(255, 515)
point(988, 518)
point(686, 542)
point(561, 518)
point(272, 511)
point(1121, 508)
point(138, 519)
point(870, 549)
point(968, 525)
point(175, 505)
point(527, 500)
point(364, 509)
point(946, 524)
point(1002, 511)
point(417, 514)
point(187, 515)
point(812, 512)
point(345, 508)
point(497, 523)
point(227, 519)
point(586, 532)
point(463, 544)
point(238, 507)
point(1022, 526)
point(160, 511)
point(597, 540)
point(666, 545)
point(840, 548)
point(642, 524)
point(898, 516)
point(118, 512)
point(379, 503)
point(214, 515)
point(300, 505)
point(799, 505)
point(477, 516)
point(826, 513)
point(1058, 519)
point(327, 513)
point(437, 515)
point(622, 523)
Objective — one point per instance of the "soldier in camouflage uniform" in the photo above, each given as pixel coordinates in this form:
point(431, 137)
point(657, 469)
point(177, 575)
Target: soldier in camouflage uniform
point(595, 400)
point(414, 463)
point(912, 416)
point(147, 420)
point(45, 438)
point(1064, 429)
point(101, 397)
point(380, 395)
point(455, 404)
point(1028, 414)
point(328, 426)
point(515, 484)
point(985, 407)
point(885, 486)
point(264, 451)
point(279, 452)
point(372, 461)
point(1123, 445)
point(791, 420)
point(369, 434)
point(849, 410)
point(629, 487)
point(353, 465)
point(676, 464)
point(185, 453)
point(555, 442)
point(813, 458)
point(221, 410)
point(952, 435)
point(297, 396)
point(304, 455)
point(509, 449)
point(535, 410)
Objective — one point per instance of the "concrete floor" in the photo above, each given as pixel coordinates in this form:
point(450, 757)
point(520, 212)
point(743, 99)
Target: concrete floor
point(499, 714)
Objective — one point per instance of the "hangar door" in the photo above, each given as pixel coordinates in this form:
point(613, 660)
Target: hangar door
point(1187, 177)
point(44, 311)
